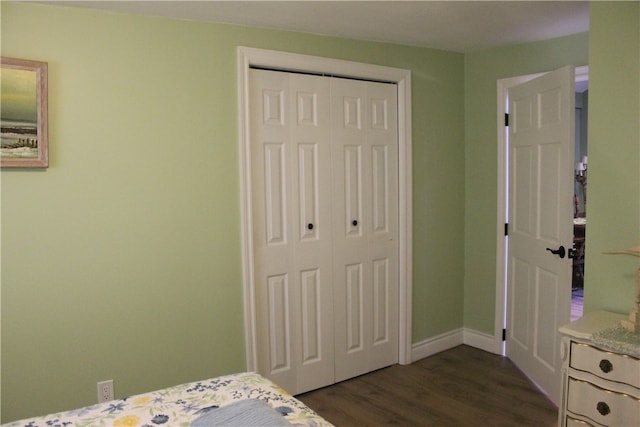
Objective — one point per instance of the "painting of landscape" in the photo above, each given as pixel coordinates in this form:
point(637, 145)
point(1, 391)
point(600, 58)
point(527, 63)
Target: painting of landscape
point(21, 136)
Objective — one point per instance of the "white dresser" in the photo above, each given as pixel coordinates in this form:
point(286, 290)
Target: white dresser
point(599, 387)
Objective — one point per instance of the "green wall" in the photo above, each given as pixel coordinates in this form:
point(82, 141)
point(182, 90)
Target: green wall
point(122, 260)
point(612, 50)
point(613, 194)
point(482, 71)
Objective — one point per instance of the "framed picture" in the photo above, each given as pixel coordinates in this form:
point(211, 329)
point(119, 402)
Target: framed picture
point(23, 114)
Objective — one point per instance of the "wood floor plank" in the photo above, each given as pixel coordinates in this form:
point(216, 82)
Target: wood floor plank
point(463, 386)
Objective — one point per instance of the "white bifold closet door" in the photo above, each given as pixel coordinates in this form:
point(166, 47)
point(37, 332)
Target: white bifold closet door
point(325, 227)
point(364, 135)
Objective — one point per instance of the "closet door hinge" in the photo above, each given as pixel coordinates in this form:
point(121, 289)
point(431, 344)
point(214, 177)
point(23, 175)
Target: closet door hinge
point(506, 119)
point(506, 229)
point(504, 335)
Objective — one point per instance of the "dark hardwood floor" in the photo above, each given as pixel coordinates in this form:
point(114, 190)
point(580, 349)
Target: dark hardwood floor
point(463, 386)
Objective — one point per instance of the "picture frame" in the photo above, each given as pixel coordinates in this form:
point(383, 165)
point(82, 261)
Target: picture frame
point(24, 139)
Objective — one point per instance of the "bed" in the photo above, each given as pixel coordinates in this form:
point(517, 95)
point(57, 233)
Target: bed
point(244, 399)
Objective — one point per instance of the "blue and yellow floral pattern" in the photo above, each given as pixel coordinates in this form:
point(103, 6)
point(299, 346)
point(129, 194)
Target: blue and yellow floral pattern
point(179, 405)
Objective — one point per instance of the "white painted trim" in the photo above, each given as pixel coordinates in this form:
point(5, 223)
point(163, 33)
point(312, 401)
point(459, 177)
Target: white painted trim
point(582, 74)
point(437, 344)
point(294, 62)
point(482, 341)
point(454, 338)
point(245, 209)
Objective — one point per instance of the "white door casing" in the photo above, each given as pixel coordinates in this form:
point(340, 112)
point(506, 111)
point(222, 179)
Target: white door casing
point(248, 57)
point(541, 147)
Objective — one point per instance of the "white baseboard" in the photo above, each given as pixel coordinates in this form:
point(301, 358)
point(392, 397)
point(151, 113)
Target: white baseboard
point(436, 344)
point(454, 338)
point(482, 341)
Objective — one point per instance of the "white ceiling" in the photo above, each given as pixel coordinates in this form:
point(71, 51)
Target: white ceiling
point(460, 26)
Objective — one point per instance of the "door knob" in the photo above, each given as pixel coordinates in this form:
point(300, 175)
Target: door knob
point(310, 226)
point(561, 252)
point(354, 222)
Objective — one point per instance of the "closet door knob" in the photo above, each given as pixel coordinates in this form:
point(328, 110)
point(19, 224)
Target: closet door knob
point(354, 222)
point(310, 226)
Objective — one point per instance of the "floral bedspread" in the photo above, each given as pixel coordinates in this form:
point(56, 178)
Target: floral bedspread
point(180, 405)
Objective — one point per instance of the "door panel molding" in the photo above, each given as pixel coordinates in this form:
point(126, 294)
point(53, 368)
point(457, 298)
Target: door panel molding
point(252, 57)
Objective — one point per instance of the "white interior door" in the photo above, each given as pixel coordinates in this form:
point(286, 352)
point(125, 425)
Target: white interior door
point(541, 147)
point(365, 205)
point(292, 228)
point(324, 155)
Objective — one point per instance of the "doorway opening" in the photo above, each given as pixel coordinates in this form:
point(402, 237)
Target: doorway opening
point(580, 198)
point(581, 79)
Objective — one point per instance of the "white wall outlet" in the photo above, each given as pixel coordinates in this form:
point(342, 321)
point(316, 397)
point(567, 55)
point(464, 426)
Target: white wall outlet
point(105, 391)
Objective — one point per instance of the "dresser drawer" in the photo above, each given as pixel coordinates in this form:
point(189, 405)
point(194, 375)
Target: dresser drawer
point(602, 406)
point(613, 367)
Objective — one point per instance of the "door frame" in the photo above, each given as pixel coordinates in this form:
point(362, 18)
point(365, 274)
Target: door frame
point(252, 57)
point(581, 74)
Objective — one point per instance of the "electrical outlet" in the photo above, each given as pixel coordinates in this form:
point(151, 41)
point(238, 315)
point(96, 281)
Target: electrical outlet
point(105, 391)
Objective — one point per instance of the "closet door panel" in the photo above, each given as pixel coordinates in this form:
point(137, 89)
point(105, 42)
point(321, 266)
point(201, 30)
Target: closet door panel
point(275, 290)
point(279, 323)
point(381, 289)
point(382, 136)
point(352, 190)
point(365, 206)
point(354, 308)
point(311, 152)
point(274, 193)
point(292, 223)
point(308, 187)
point(380, 189)
point(311, 317)
point(351, 183)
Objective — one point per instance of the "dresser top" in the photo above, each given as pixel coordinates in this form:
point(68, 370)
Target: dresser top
point(590, 323)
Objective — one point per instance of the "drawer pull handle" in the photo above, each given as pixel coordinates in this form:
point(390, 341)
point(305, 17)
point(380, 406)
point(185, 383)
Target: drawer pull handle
point(606, 366)
point(603, 408)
